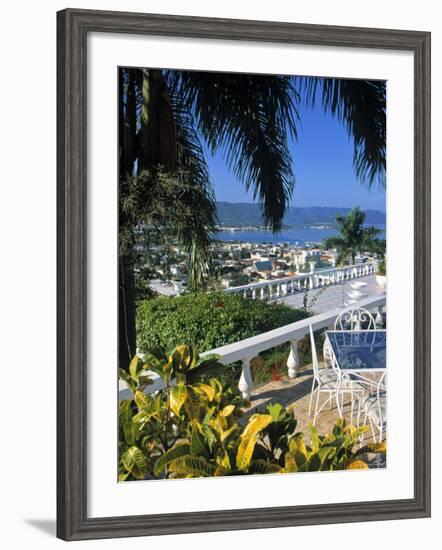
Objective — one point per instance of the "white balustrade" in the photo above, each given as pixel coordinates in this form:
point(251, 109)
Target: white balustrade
point(246, 381)
point(314, 279)
point(245, 350)
point(293, 359)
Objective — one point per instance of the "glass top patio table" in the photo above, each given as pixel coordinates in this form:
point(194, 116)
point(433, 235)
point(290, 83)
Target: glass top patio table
point(359, 350)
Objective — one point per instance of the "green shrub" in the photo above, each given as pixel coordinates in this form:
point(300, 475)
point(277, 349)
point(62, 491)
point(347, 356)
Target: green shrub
point(382, 269)
point(271, 365)
point(207, 320)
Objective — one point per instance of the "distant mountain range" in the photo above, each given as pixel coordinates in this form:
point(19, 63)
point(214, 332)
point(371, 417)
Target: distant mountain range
point(241, 214)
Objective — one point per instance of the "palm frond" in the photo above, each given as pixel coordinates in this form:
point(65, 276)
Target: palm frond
point(361, 106)
point(334, 242)
point(248, 118)
point(197, 229)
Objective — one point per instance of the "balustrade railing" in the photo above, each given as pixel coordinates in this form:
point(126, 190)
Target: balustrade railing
point(246, 350)
point(278, 288)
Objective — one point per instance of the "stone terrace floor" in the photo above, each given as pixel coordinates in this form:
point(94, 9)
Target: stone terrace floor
point(334, 296)
point(296, 393)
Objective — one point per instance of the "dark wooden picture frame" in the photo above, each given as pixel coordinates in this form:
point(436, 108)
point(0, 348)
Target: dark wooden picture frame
point(73, 27)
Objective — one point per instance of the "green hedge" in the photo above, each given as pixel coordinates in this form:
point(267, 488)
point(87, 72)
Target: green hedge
point(208, 320)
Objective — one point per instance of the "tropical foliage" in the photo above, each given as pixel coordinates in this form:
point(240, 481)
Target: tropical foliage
point(354, 238)
point(165, 119)
point(208, 320)
point(361, 106)
point(382, 268)
point(195, 429)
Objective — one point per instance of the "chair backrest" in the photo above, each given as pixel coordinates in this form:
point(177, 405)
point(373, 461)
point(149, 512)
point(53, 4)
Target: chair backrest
point(314, 355)
point(356, 318)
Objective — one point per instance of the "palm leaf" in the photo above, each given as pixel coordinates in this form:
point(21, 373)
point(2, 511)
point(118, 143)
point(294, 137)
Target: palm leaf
point(361, 106)
point(248, 118)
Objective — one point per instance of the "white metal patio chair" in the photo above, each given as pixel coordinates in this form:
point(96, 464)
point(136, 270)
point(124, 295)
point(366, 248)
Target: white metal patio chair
point(374, 408)
point(325, 381)
point(355, 318)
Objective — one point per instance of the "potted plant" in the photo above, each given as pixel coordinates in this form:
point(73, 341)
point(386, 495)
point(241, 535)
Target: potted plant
point(381, 274)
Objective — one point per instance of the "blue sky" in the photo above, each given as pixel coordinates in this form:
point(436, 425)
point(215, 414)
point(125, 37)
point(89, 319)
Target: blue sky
point(323, 165)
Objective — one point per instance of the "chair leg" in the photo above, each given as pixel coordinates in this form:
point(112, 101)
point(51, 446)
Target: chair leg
point(372, 430)
point(316, 407)
point(338, 404)
point(352, 404)
point(311, 397)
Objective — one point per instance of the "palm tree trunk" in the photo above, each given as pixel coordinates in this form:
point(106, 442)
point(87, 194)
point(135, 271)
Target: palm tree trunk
point(126, 311)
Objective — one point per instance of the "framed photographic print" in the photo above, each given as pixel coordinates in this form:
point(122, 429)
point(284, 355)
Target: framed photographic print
point(243, 274)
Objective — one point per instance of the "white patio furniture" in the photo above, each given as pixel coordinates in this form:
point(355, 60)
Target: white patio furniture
point(327, 381)
point(358, 285)
point(359, 357)
point(355, 318)
point(373, 407)
point(350, 319)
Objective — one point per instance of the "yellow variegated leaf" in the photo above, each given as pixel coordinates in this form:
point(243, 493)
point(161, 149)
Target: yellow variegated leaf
point(178, 396)
point(206, 390)
point(141, 400)
point(264, 467)
point(220, 423)
point(228, 410)
point(290, 464)
point(225, 462)
point(314, 437)
point(356, 465)
point(171, 455)
point(249, 438)
point(297, 445)
point(192, 466)
point(135, 462)
point(192, 403)
point(374, 448)
point(133, 368)
point(226, 433)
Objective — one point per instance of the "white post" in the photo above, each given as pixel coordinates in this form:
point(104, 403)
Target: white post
point(270, 292)
point(263, 293)
point(254, 293)
point(293, 359)
point(246, 382)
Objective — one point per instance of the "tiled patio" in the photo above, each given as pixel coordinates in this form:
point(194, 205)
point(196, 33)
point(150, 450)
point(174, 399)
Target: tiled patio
point(296, 393)
point(334, 296)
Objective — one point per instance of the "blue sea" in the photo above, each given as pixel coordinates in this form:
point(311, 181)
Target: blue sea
point(299, 236)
